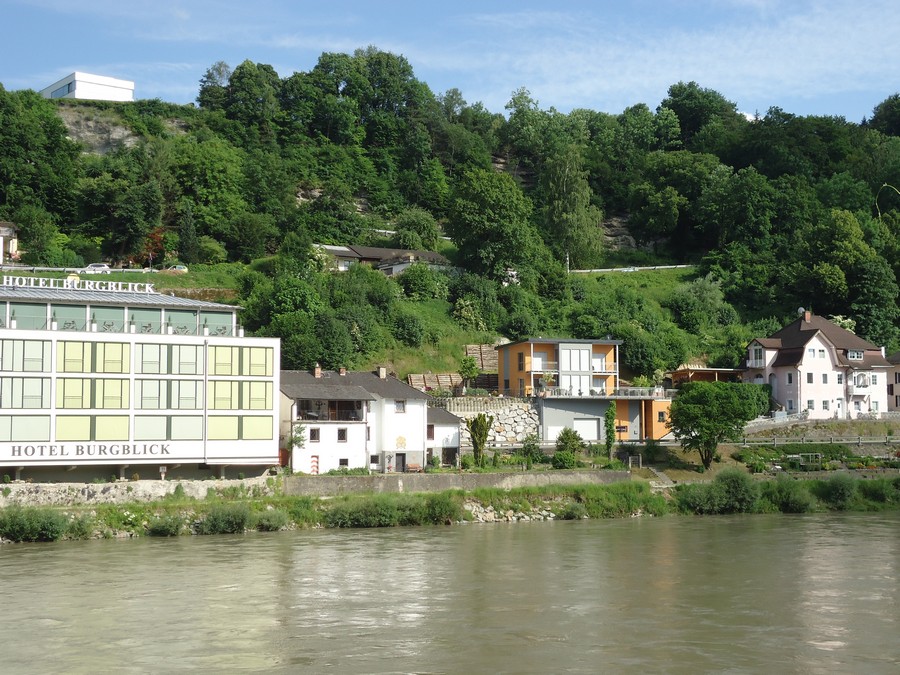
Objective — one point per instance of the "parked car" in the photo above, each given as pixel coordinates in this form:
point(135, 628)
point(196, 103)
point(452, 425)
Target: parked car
point(177, 269)
point(97, 268)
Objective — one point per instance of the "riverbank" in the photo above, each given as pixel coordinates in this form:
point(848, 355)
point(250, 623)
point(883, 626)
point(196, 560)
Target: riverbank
point(261, 505)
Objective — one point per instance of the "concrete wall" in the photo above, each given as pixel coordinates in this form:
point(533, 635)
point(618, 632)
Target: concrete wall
point(323, 486)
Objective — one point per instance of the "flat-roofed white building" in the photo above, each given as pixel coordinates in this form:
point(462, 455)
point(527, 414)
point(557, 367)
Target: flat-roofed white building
point(112, 378)
point(91, 87)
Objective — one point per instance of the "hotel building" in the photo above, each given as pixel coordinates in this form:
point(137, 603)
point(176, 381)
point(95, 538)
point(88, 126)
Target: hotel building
point(101, 378)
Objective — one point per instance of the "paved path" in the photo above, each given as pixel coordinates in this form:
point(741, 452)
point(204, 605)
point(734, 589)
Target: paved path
point(662, 480)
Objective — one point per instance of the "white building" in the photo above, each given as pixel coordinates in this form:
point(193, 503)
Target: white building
point(815, 365)
point(352, 420)
point(90, 87)
point(110, 377)
point(442, 436)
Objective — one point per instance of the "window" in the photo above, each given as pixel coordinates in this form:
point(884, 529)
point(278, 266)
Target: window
point(661, 416)
point(314, 435)
point(825, 379)
point(24, 392)
point(373, 459)
point(757, 353)
point(810, 405)
point(73, 393)
point(874, 406)
point(223, 428)
point(257, 361)
point(342, 434)
point(344, 463)
point(897, 401)
point(856, 406)
point(149, 395)
point(150, 359)
point(368, 433)
point(256, 395)
point(73, 357)
point(521, 357)
point(790, 404)
point(790, 378)
point(399, 406)
point(811, 353)
point(874, 379)
point(821, 353)
point(824, 405)
point(185, 395)
point(112, 357)
point(24, 428)
point(809, 378)
point(855, 355)
point(429, 432)
point(25, 356)
point(223, 395)
point(111, 394)
point(224, 360)
point(840, 378)
point(897, 377)
point(186, 360)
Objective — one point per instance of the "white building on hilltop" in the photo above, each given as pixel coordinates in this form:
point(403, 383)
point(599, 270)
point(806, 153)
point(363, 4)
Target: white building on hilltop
point(90, 87)
point(101, 378)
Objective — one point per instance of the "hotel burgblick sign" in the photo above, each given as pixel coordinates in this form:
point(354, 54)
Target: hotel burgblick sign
point(75, 284)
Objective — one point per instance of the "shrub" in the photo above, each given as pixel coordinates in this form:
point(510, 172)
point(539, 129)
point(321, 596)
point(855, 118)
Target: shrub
point(164, 526)
point(564, 459)
point(878, 490)
point(80, 527)
point(434, 462)
point(32, 524)
point(569, 440)
point(737, 491)
point(270, 520)
point(467, 462)
point(443, 508)
point(376, 511)
point(699, 498)
point(225, 519)
point(839, 490)
point(573, 511)
point(787, 495)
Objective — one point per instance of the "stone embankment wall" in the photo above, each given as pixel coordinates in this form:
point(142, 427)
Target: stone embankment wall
point(514, 419)
point(324, 486)
point(121, 492)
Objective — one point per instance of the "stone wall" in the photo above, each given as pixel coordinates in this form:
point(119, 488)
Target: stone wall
point(514, 419)
point(324, 486)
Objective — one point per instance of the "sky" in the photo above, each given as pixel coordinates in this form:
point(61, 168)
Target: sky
point(807, 57)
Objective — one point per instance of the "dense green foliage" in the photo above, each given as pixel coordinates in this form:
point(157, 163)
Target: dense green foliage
point(778, 211)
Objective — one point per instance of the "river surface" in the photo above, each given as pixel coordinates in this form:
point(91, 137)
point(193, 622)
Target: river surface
point(754, 594)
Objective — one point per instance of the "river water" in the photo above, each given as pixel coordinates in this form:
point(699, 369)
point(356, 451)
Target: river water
point(778, 594)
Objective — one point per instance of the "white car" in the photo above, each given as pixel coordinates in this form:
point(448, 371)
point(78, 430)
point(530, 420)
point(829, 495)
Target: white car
point(97, 268)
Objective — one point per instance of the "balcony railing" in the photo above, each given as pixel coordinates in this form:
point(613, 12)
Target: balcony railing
point(545, 366)
point(621, 392)
point(756, 363)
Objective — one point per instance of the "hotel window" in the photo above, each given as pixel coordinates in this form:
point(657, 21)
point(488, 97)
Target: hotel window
point(73, 428)
point(28, 316)
point(73, 357)
point(185, 395)
point(256, 395)
point(810, 405)
point(223, 428)
point(181, 321)
point(824, 378)
point(111, 428)
point(185, 360)
point(112, 357)
point(73, 393)
point(150, 395)
point(256, 428)
point(399, 406)
point(809, 378)
point(314, 435)
point(257, 361)
point(150, 359)
point(31, 356)
point(186, 428)
point(24, 392)
point(146, 321)
point(111, 394)
point(342, 435)
point(224, 360)
point(24, 428)
point(223, 395)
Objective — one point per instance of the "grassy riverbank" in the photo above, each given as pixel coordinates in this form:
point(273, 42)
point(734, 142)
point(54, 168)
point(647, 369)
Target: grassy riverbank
point(237, 511)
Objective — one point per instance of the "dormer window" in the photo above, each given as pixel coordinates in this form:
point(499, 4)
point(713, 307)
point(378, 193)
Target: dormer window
point(855, 355)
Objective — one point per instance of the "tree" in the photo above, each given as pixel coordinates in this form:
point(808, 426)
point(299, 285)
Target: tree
point(609, 423)
point(705, 414)
point(478, 427)
point(468, 369)
point(213, 85)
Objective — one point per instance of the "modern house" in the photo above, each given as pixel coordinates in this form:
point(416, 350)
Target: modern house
point(574, 382)
point(351, 419)
point(91, 87)
point(101, 378)
point(814, 365)
point(391, 261)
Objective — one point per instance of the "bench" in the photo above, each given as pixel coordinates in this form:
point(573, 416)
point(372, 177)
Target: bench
point(413, 468)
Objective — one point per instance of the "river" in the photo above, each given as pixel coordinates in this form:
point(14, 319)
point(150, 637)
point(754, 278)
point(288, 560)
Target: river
point(779, 594)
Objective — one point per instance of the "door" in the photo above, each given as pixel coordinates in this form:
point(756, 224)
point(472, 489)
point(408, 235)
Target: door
point(401, 462)
point(588, 429)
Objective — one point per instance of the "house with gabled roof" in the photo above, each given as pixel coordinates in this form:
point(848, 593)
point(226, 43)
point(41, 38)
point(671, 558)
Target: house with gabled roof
point(816, 366)
point(352, 419)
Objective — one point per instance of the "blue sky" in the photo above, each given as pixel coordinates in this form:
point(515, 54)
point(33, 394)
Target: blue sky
point(825, 57)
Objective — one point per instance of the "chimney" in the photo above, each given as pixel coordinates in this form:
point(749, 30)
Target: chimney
point(382, 373)
point(807, 316)
point(342, 371)
point(317, 370)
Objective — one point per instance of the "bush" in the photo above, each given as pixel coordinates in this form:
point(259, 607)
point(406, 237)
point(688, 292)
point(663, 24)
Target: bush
point(699, 498)
point(738, 491)
point(225, 519)
point(839, 491)
point(573, 511)
point(564, 459)
point(32, 524)
point(443, 508)
point(878, 490)
point(467, 462)
point(434, 462)
point(164, 526)
point(569, 440)
point(270, 520)
point(787, 495)
point(80, 527)
point(375, 511)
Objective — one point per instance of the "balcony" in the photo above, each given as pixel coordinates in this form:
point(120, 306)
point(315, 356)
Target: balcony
point(621, 392)
point(756, 363)
point(544, 366)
